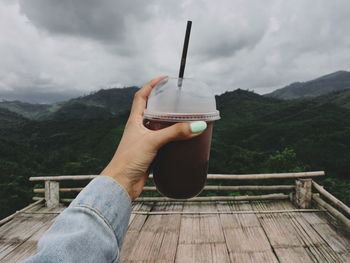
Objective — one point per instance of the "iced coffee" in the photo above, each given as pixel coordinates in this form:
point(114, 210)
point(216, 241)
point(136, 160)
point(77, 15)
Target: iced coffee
point(180, 167)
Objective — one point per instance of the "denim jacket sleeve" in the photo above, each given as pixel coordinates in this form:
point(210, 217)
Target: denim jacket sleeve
point(91, 229)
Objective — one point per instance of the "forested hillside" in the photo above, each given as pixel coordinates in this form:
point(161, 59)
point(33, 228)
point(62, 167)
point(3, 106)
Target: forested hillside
point(104, 103)
point(256, 134)
point(334, 82)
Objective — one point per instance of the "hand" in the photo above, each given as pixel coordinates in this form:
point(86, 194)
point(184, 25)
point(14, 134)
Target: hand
point(139, 145)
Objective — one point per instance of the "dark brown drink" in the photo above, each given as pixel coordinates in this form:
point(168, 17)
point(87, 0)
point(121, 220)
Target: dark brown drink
point(180, 167)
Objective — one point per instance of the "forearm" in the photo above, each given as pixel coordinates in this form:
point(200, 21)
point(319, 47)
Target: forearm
point(91, 229)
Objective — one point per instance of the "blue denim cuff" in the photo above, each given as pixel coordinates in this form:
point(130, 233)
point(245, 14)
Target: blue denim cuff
point(110, 201)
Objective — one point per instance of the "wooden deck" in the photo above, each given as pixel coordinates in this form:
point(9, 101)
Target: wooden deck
point(245, 231)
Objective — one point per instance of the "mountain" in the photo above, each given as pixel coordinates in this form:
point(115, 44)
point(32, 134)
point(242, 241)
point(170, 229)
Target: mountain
point(339, 98)
point(116, 101)
point(71, 111)
point(333, 82)
point(9, 119)
point(28, 110)
point(104, 103)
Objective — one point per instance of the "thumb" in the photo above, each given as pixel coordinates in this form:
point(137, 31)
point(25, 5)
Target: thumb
point(179, 131)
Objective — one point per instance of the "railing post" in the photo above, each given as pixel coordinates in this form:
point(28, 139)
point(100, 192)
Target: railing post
point(303, 193)
point(52, 194)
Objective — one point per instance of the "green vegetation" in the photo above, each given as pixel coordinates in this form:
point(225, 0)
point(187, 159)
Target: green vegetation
point(334, 82)
point(28, 110)
point(256, 134)
point(100, 104)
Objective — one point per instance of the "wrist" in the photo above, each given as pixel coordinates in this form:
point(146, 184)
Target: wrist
point(130, 181)
point(125, 184)
point(121, 181)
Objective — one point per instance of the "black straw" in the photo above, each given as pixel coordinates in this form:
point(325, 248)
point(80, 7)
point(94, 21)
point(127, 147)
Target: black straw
point(184, 53)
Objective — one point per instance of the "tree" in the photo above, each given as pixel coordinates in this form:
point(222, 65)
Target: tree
point(283, 161)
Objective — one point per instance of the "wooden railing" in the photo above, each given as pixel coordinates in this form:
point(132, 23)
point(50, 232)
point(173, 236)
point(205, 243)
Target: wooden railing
point(209, 176)
point(53, 190)
point(343, 215)
point(301, 192)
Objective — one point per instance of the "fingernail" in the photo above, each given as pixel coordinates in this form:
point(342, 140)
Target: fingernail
point(198, 126)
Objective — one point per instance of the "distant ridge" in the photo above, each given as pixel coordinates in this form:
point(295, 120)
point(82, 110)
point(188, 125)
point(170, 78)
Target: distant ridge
point(334, 82)
point(10, 119)
point(339, 98)
point(28, 110)
point(102, 104)
point(113, 102)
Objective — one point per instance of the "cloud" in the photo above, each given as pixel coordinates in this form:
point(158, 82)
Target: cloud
point(105, 20)
point(51, 50)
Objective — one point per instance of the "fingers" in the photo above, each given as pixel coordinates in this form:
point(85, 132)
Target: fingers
point(178, 131)
point(140, 98)
point(146, 90)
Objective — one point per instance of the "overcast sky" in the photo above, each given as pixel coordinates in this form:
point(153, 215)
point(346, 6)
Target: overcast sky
point(51, 50)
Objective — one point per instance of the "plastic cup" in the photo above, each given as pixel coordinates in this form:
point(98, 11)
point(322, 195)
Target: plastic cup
point(180, 167)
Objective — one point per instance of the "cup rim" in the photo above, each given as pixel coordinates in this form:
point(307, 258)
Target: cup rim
point(181, 117)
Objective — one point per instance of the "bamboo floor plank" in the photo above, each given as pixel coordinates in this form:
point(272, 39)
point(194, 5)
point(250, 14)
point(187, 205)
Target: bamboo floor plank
point(227, 220)
point(28, 247)
point(18, 219)
point(19, 229)
point(201, 237)
point(136, 223)
point(245, 238)
point(335, 239)
point(200, 228)
point(135, 207)
point(293, 254)
point(321, 237)
point(138, 220)
point(204, 252)
point(314, 242)
point(157, 240)
point(269, 237)
point(296, 229)
point(277, 227)
point(237, 220)
point(253, 257)
point(20, 235)
point(171, 228)
point(287, 245)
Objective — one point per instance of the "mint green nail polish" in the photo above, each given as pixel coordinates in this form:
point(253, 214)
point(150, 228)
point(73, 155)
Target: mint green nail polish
point(198, 126)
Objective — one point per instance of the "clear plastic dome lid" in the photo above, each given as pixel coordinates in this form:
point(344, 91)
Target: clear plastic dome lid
point(193, 101)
